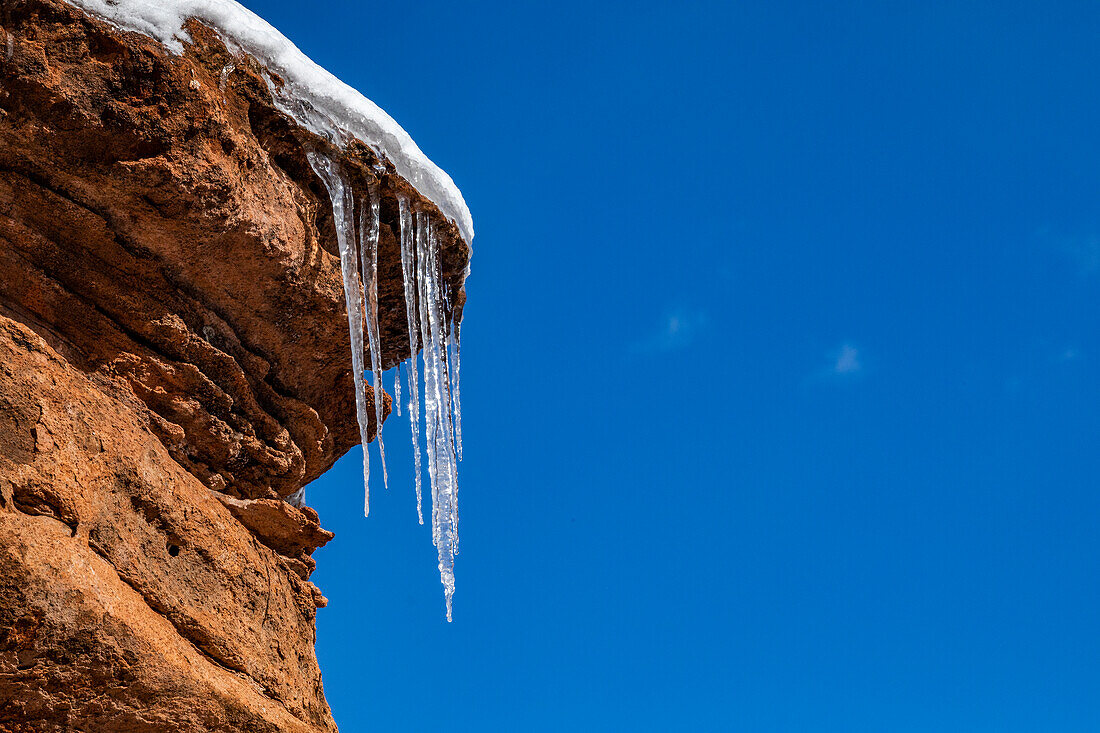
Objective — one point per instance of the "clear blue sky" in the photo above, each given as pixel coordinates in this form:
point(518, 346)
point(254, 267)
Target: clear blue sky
point(781, 370)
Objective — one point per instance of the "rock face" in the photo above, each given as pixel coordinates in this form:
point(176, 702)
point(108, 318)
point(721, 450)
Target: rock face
point(174, 359)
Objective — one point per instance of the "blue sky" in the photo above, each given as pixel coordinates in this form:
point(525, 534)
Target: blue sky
point(780, 370)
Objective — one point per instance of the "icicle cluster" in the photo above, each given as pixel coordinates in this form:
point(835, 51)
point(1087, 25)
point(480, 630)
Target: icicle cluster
point(439, 430)
point(427, 303)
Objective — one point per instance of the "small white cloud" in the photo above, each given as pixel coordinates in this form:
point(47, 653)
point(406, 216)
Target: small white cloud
point(676, 330)
point(847, 361)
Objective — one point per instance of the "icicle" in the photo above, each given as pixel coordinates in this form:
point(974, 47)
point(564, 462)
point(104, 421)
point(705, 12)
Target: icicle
point(431, 401)
point(437, 413)
point(343, 207)
point(408, 269)
point(456, 343)
point(368, 252)
point(397, 389)
point(444, 349)
point(421, 233)
point(427, 306)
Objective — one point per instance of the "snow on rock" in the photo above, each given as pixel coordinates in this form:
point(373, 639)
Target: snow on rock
point(315, 98)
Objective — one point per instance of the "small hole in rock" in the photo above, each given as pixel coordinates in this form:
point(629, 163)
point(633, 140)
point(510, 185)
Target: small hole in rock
point(173, 550)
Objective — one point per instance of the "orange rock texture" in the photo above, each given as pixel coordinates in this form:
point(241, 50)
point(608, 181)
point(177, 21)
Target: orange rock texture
point(174, 359)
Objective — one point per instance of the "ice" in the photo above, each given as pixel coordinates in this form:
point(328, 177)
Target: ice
point(343, 206)
point(420, 233)
point(408, 271)
point(427, 305)
point(437, 414)
point(455, 345)
point(223, 77)
point(368, 253)
point(397, 389)
point(311, 95)
point(297, 499)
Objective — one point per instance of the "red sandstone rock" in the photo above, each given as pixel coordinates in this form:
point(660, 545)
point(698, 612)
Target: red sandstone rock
point(171, 322)
point(283, 528)
point(132, 598)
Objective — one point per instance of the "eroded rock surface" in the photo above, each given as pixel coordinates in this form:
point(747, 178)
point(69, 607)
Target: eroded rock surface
point(287, 530)
point(131, 599)
point(174, 359)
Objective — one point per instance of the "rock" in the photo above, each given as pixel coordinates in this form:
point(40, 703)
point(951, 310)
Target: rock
point(133, 599)
point(175, 244)
point(283, 528)
point(174, 358)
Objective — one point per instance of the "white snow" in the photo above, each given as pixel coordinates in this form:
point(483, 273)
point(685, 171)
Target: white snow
point(311, 95)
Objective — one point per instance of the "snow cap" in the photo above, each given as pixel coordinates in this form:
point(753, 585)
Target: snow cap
point(314, 97)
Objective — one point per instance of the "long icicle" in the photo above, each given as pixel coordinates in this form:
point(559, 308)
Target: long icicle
point(369, 232)
point(444, 342)
point(441, 334)
point(343, 207)
point(456, 353)
point(421, 234)
point(441, 462)
point(427, 305)
point(430, 398)
point(408, 269)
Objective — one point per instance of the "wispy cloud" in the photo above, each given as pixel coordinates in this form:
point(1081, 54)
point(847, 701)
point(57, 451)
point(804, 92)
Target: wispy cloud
point(845, 363)
point(677, 329)
point(847, 360)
